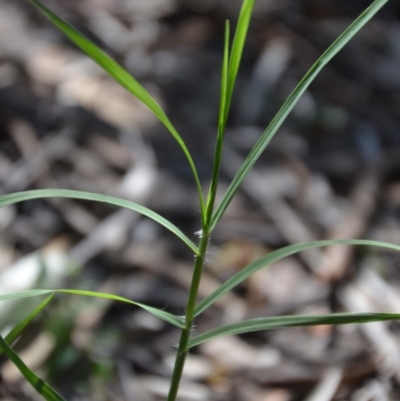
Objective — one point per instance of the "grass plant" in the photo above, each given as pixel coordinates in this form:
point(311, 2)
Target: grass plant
point(209, 214)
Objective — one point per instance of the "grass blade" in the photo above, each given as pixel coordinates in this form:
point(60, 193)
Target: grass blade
point(24, 294)
point(18, 329)
point(65, 193)
point(291, 101)
point(168, 317)
point(124, 79)
point(38, 384)
point(221, 126)
point(224, 84)
point(274, 257)
point(237, 47)
point(291, 321)
point(230, 70)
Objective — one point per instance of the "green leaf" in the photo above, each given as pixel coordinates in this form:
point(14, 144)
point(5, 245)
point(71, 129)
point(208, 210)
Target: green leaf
point(274, 257)
point(24, 294)
point(291, 321)
point(237, 47)
point(230, 70)
point(168, 317)
point(38, 384)
point(221, 126)
point(18, 329)
point(224, 85)
point(124, 79)
point(291, 101)
point(65, 193)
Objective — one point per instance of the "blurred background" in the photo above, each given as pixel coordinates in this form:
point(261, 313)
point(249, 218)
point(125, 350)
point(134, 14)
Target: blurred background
point(332, 171)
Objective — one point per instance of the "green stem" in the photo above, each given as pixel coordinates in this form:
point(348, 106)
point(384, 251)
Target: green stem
point(186, 331)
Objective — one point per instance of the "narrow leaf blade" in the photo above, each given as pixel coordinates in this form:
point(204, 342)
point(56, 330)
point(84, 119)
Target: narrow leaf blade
point(24, 294)
point(291, 321)
point(291, 101)
point(103, 60)
point(125, 79)
point(168, 317)
point(65, 193)
point(223, 108)
point(38, 384)
point(19, 328)
point(221, 126)
point(274, 257)
point(238, 45)
point(230, 69)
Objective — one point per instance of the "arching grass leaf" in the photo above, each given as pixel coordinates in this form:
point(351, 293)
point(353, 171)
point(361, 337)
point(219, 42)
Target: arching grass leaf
point(291, 321)
point(38, 384)
point(221, 126)
point(224, 101)
point(65, 193)
point(168, 317)
point(291, 101)
point(274, 257)
point(124, 79)
point(19, 328)
point(237, 48)
point(24, 294)
point(230, 70)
